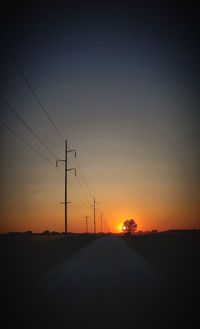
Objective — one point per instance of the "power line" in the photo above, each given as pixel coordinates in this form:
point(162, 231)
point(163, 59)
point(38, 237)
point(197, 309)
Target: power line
point(45, 111)
point(60, 172)
point(66, 181)
point(79, 183)
point(84, 179)
point(27, 126)
point(75, 193)
point(70, 187)
point(21, 72)
point(26, 179)
point(26, 143)
point(82, 189)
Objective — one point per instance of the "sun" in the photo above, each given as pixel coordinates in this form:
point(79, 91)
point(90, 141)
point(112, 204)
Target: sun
point(120, 227)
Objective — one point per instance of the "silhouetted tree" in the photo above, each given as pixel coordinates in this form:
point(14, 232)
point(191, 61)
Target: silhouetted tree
point(129, 226)
point(46, 232)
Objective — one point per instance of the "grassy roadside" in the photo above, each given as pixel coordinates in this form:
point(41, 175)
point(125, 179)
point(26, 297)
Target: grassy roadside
point(173, 253)
point(25, 258)
point(177, 256)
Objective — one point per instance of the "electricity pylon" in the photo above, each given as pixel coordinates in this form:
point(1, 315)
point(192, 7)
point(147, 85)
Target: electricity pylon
point(66, 171)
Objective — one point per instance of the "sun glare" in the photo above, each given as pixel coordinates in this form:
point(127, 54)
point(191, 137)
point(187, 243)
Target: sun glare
point(120, 227)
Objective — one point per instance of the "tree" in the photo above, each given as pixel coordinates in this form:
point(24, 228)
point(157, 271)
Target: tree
point(46, 232)
point(129, 226)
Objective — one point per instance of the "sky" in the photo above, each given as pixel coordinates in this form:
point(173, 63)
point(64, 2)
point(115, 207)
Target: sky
point(120, 82)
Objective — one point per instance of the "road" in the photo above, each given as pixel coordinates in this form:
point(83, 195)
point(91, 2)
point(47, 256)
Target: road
point(106, 269)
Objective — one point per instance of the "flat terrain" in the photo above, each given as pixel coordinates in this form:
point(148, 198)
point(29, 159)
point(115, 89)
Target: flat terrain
point(177, 257)
point(148, 281)
point(106, 269)
point(24, 260)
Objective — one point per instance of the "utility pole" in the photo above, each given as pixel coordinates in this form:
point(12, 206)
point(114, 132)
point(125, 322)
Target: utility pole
point(101, 222)
point(94, 215)
point(66, 171)
point(86, 224)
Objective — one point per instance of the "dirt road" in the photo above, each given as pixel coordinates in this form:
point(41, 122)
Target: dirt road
point(107, 268)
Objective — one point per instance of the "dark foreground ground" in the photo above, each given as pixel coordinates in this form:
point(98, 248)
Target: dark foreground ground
point(177, 256)
point(24, 261)
point(170, 303)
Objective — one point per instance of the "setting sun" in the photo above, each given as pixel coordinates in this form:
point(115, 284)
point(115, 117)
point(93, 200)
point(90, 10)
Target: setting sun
point(120, 227)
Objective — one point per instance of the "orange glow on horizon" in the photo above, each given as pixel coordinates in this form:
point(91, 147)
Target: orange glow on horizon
point(51, 217)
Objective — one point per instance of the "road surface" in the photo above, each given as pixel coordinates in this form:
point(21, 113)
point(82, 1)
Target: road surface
point(106, 269)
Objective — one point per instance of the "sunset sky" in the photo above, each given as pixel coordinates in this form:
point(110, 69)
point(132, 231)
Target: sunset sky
point(120, 83)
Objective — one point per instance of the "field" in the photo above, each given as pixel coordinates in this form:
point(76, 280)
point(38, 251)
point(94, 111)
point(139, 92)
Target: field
point(24, 260)
point(177, 256)
point(170, 303)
